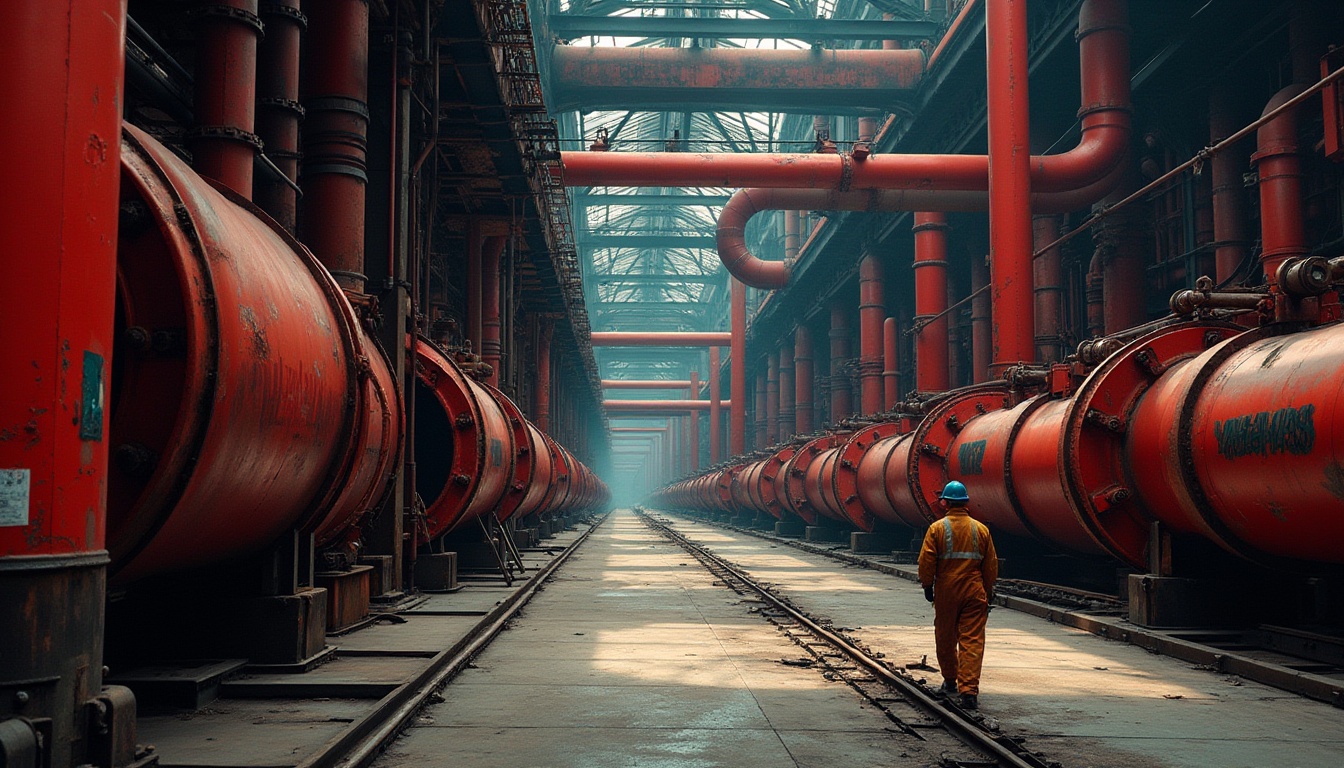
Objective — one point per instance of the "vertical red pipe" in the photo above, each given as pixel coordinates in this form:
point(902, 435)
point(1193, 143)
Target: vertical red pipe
point(542, 391)
point(1009, 182)
point(715, 414)
point(872, 313)
point(1048, 286)
point(334, 84)
point(223, 145)
point(792, 235)
point(802, 380)
point(1096, 317)
point(842, 398)
point(278, 110)
point(891, 371)
point(1230, 233)
point(1283, 231)
point(772, 399)
point(475, 295)
point(982, 337)
point(60, 72)
point(490, 348)
point(931, 301)
point(737, 426)
point(787, 392)
point(1122, 246)
point(759, 410)
point(695, 424)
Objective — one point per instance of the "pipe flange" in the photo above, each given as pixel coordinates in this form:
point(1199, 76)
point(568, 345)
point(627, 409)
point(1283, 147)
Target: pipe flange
point(225, 132)
point(845, 481)
point(1093, 441)
point(931, 226)
point(284, 12)
point(229, 13)
point(926, 463)
point(337, 104)
point(282, 104)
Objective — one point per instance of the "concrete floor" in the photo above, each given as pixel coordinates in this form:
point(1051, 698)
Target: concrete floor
point(1078, 698)
point(634, 656)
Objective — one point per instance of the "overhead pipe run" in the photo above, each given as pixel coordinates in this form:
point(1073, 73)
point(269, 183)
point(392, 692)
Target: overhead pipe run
point(659, 406)
point(661, 339)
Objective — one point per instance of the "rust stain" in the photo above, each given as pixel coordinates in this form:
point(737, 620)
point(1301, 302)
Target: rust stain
point(1272, 357)
point(260, 346)
point(1334, 480)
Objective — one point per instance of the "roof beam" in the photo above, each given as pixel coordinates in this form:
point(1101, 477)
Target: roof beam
point(647, 241)
point(650, 199)
point(571, 26)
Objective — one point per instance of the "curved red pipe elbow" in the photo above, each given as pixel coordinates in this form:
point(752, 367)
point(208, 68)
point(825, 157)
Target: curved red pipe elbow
point(737, 258)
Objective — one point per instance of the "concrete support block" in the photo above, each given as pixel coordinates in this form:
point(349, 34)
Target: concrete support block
point(525, 537)
point(790, 529)
point(1167, 601)
point(864, 543)
point(822, 534)
point(347, 595)
point(436, 571)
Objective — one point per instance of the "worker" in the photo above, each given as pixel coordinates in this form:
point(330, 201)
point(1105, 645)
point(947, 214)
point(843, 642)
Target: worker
point(958, 568)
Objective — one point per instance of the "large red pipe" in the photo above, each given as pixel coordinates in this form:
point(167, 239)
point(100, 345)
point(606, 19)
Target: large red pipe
point(335, 93)
point(661, 339)
point(624, 74)
point(541, 389)
point(802, 380)
point(223, 145)
point(772, 399)
point(842, 397)
point(872, 313)
point(61, 74)
point(737, 418)
point(278, 110)
point(275, 408)
point(1010, 182)
point(931, 302)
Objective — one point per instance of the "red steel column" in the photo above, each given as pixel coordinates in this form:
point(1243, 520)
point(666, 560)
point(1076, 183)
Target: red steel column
point(223, 145)
point(772, 399)
point(842, 399)
point(802, 380)
point(1121, 242)
point(61, 74)
point(542, 391)
point(1009, 182)
point(278, 110)
point(695, 423)
point(737, 426)
point(931, 301)
point(1282, 224)
point(715, 414)
point(787, 409)
point(792, 235)
point(872, 313)
point(891, 370)
point(1048, 287)
point(490, 348)
point(475, 294)
point(335, 88)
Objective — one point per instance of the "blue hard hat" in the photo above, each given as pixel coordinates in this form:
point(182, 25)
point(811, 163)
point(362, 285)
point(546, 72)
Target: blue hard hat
point(954, 491)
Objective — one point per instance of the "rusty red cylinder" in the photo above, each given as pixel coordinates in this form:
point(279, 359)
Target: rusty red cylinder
point(882, 485)
point(1260, 473)
point(795, 472)
point(891, 371)
point(464, 446)
point(248, 400)
point(542, 478)
point(846, 484)
point(787, 392)
point(61, 73)
point(335, 93)
point(1282, 181)
point(842, 397)
point(223, 144)
point(931, 353)
point(772, 399)
point(802, 379)
point(278, 109)
point(1009, 461)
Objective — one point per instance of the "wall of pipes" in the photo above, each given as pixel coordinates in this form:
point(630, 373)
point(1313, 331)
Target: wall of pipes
point(247, 398)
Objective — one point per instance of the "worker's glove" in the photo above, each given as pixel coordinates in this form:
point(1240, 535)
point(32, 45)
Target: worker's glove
point(928, 593)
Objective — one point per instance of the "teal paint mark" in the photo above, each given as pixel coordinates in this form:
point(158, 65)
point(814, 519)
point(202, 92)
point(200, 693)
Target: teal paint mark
point(1267, 433)
point(91, 398)
point(971, 457)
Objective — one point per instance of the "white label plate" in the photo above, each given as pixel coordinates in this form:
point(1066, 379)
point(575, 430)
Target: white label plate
point(14, 496)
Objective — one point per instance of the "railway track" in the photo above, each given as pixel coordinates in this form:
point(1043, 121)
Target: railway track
point(913, 707)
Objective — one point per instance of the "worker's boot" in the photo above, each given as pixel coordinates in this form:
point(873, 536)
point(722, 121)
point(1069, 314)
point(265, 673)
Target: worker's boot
point(949, 688)
point(970, 701)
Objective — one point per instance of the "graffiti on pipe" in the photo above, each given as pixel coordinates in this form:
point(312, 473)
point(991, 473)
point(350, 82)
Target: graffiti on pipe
point(971, 457)
point(1267, 433)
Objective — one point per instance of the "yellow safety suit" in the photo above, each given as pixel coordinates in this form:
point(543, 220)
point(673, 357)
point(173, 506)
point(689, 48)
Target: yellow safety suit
point(959, 562)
